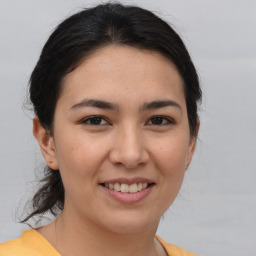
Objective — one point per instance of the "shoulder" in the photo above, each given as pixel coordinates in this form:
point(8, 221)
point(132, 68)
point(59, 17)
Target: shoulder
point(31, 243)
point(18, 247)
point(174, 250)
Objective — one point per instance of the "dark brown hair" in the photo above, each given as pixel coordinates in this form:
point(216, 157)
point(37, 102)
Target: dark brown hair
point(79, 35)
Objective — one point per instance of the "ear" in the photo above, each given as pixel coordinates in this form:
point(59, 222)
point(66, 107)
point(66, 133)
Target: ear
point(46, 143)
point(192, 144)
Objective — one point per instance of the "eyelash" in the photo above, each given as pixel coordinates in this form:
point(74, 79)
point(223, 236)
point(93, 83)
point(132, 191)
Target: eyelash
point(167, 120)
point(95, 118)
point(85, 121)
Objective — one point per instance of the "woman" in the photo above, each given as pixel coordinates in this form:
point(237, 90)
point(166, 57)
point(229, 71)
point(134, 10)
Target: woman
point(115, 97)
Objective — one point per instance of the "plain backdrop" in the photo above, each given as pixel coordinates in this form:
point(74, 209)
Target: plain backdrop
point(215, 212)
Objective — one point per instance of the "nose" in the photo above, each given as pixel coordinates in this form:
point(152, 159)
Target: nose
point(129, 148)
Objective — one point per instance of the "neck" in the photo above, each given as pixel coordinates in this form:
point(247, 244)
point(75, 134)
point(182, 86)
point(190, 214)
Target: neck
point(84, 238)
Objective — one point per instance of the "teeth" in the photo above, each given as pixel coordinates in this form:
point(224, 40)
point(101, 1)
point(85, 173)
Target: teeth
point(117, 187)
point(125, 188)
point(133, 188)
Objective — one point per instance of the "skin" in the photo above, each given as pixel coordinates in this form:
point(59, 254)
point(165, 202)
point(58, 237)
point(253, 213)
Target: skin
point(127, 142)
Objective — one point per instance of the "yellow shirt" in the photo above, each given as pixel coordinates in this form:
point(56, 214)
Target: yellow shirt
point(32, 243)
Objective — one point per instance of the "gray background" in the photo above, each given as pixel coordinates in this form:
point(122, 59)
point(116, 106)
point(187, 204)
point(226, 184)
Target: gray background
point(215, 212)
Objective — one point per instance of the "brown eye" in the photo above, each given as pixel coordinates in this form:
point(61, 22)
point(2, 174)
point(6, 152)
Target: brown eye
point(94, 120)
point(160, 120)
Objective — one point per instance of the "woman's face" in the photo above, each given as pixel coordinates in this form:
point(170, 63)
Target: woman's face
point(121, 121)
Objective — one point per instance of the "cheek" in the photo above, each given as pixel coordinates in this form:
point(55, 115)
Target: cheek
point(79, 150)
point(171, 155)
point(79, 158)
point(170, 158)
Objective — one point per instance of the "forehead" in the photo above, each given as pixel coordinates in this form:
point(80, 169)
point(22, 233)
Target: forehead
point(117, 72)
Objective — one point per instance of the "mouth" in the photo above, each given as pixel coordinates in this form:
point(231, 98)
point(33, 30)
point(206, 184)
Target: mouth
point(127, 188)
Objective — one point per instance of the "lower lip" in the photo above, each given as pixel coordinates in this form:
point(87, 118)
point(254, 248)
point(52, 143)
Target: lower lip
point(128, 198)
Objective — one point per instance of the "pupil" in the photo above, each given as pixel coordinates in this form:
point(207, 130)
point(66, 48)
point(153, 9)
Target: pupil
point(96, 120)
point(157, 120)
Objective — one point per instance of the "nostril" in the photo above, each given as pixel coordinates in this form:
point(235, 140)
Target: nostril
point(129, 152)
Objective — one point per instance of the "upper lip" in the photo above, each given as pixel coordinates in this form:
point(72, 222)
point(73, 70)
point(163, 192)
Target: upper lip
point(128, 181)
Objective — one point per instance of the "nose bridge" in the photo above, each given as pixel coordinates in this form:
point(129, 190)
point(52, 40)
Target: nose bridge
point(129, 147)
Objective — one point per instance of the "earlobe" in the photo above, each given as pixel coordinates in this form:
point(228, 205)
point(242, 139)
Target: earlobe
point(46, 143)
point(192, 144)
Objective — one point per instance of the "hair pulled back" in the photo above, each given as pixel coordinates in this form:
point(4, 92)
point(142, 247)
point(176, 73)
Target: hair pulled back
point(80, 35)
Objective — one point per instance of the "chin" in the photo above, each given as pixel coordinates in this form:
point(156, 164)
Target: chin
point(131, 223)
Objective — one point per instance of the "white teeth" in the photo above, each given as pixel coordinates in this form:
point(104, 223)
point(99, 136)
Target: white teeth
point(117, 187)
point(125, 188)
point(133, 188)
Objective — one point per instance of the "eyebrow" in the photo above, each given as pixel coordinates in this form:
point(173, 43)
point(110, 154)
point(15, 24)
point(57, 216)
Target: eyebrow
point(111, 106)
point(95, 103)
point(160, 104)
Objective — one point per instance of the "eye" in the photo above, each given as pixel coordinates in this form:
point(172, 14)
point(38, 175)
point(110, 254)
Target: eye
point(94, 121)
point(160, 120)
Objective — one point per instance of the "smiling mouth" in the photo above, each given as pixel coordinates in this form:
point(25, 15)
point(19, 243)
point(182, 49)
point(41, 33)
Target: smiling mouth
point(126, 188)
